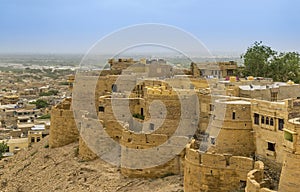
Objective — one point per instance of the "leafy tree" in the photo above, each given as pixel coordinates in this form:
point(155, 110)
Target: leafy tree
point(3, 148)
point(261, 60)
point(40, 103)
point(49, 93)
point(293, 62)
point(285, 67)
point(257, 60)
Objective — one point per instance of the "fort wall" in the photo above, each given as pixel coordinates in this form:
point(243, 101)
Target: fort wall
point(214, 172)
point(85, 153)
point(255, 179)
point(231, 128)
point(63, 129)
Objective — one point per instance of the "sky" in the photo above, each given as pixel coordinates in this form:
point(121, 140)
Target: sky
point(73, 26)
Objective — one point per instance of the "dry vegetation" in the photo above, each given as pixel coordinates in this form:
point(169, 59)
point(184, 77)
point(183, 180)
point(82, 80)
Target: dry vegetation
point(43, 169)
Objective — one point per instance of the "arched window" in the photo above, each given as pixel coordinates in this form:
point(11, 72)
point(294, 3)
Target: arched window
point(271, 121)
point(267, 120)
point(114, 88)
point(262, 119)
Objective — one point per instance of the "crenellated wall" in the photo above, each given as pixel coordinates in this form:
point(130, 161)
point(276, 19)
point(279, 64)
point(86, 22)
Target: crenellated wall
point(154, 112)
point(214, 172)
point(142, 141)
point(172, 167)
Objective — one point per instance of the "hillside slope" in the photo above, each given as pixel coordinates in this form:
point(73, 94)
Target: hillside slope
point(44, 169)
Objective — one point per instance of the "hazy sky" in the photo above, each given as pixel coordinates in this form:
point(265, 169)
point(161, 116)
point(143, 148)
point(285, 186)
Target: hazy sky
point(72, 26)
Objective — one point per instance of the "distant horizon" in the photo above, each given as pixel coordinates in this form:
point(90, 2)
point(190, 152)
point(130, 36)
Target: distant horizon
point(214, 53)
point(73, 26)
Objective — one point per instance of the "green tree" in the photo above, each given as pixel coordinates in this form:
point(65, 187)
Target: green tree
point(40, 103)
point(3, 148)
point(257, 60)
point(49, 93)
point(285, 67)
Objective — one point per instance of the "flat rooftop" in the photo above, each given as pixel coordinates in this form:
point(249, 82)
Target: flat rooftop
point(238, 102)
point(262, 87)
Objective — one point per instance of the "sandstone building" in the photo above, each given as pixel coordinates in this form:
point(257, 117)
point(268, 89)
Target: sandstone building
point(236, 128)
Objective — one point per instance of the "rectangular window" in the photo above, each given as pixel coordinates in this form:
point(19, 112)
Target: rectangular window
point(271, 121)
point(233, 115)
point(271, 146)
point(211, 107)
point(280, 124)
point(274, 96)
point(101, 109)
point(151, 126)
point(262, 120)
point(142, 111)
point(229, 72)
point(288, 136)
point(256, 118)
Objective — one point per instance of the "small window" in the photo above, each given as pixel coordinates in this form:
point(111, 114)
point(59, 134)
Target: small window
point(262, 120)
point(243, 184)
point(101, 109)
point(233, 115)
point(32, 139)
point(267, 120)
point(280, 124)
point(213, 140)
point(114, 88)
point(256, 118)
point(271, 146)
point(211, 107)
point(38, 139)
point(151, 126)
point(271, 121)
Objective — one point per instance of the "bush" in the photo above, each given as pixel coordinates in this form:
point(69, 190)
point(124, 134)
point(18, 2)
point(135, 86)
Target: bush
point(3, 148)
point(40, 103)
point(138, 116)
point(64, 83)
point(49, 93)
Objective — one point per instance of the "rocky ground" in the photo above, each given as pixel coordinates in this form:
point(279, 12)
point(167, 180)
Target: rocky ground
point(43, 169)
